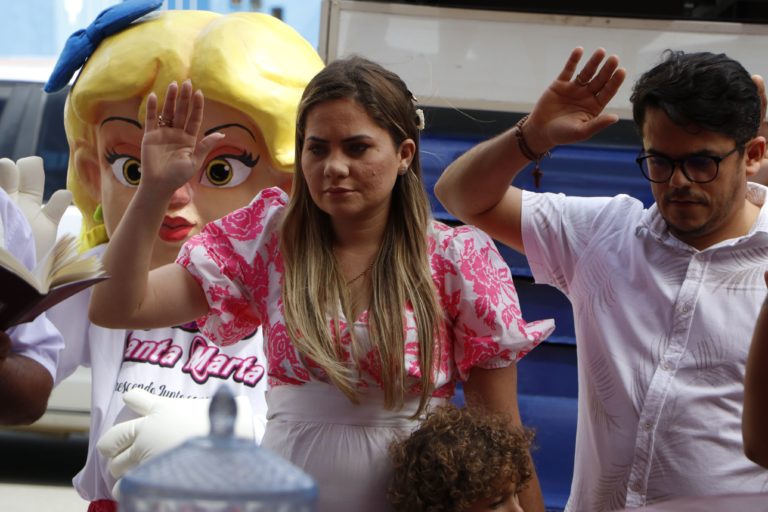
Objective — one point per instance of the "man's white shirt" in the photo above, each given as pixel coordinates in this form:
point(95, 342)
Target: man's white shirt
point(662, 332)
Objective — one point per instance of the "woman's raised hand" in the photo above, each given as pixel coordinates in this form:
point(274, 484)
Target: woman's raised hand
point(571, 109)
point(170, 151)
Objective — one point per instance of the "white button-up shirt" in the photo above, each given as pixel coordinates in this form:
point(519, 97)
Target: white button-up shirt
point(662, 332)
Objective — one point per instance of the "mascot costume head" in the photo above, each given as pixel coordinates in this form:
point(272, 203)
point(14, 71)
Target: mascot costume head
point(252, 69)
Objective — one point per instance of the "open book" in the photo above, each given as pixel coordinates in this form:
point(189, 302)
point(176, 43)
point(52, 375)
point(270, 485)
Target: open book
point(61, 273)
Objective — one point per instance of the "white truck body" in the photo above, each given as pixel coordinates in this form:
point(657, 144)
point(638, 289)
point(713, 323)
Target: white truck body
point(502, 61)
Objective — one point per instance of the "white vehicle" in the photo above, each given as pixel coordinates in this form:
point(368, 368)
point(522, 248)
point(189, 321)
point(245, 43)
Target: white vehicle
point(31, 123)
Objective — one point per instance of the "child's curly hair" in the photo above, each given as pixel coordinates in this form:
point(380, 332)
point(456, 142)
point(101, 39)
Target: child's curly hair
point(456, 458)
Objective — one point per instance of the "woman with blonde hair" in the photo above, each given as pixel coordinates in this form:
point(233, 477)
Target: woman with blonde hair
point(253, 69)
point(372, 311)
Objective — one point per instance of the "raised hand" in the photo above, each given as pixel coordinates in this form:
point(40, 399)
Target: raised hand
point(760, 84)
point(24, 181)
point(170, 151)
point(571, 109)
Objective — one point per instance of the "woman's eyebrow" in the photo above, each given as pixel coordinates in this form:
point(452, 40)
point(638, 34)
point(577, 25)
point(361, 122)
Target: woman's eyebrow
point(346, 140)
point(123, 119)
point(230, 125)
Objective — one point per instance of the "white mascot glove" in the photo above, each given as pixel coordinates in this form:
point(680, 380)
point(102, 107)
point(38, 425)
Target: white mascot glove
point(164, 423)
point(24, 181)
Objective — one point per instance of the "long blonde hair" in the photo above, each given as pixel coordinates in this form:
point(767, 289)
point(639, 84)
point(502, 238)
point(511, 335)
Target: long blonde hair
point(401, 276)
point(252, 62)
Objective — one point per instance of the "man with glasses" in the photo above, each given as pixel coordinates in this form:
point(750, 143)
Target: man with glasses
point(664, 298)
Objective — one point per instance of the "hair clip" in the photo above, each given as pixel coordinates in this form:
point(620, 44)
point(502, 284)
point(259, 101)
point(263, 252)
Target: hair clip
point(420, 116)
point(81, 44)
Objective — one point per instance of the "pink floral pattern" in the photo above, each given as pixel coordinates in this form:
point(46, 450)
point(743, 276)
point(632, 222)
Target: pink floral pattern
point(238, 263)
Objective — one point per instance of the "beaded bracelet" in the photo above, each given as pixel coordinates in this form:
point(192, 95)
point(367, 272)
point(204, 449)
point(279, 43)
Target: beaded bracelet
point(528, 153)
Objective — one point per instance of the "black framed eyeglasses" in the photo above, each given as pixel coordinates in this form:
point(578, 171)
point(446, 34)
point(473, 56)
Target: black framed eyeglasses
point(696, 168)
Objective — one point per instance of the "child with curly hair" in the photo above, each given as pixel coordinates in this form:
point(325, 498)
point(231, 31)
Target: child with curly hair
point(460, 460)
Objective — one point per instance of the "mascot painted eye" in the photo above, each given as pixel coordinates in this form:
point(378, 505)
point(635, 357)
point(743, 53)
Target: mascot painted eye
point(126, 169)
point(218, 172)
point(228, 170)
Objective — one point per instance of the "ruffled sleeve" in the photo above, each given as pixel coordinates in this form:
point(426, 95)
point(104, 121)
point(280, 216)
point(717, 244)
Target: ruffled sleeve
point(480, 299)
point(233, 259)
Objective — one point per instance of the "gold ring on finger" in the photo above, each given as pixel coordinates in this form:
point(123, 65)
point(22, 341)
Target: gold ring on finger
point(580, 80)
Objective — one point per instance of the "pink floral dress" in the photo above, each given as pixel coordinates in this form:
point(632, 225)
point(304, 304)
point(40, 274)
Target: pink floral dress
point(238, 263)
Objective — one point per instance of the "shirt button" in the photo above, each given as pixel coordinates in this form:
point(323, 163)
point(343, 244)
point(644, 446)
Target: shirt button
point(666, 366)
point(685, 308)
point(635, 486)
point(647, 426)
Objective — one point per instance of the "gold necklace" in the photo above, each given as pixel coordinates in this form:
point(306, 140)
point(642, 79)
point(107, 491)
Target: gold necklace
point(361, 274)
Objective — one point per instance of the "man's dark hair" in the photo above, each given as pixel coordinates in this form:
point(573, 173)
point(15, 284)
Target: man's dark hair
point(702, 91)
